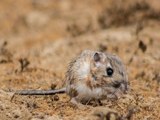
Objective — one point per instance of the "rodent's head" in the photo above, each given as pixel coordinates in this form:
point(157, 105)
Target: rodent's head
point(109, 73)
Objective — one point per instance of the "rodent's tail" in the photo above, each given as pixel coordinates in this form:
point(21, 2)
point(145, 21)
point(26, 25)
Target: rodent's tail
point(40, 92)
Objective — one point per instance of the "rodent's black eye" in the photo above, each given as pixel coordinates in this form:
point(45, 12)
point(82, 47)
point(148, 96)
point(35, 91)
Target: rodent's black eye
point(109, 71)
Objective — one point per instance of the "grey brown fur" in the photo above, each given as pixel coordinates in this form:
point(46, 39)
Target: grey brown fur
point(92, 75)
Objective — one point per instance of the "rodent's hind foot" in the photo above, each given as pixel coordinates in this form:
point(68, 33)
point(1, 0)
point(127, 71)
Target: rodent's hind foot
point(94, 102)
point(78, 104)
point(83, 105)
point(98, 102)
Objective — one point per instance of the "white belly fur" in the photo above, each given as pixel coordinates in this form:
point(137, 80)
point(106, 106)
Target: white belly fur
point(86, 93)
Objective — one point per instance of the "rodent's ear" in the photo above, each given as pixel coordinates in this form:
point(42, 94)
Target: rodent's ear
point(97, 57)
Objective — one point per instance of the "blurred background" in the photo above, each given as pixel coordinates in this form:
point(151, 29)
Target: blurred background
point(38, 38)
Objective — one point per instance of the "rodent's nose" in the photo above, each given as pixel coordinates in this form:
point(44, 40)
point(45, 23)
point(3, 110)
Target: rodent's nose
point(120, 84)
point(125, 86)
point(116, 84)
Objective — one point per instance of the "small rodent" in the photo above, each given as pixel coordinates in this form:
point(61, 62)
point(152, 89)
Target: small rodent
point(92, 75)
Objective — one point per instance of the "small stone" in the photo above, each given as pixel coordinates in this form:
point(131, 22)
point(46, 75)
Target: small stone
point(142, 46)
point(56, 98)
point(16, 116)
point(53, 86)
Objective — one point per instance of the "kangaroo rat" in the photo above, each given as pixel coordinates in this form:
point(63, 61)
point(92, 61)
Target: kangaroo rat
point(92, 75)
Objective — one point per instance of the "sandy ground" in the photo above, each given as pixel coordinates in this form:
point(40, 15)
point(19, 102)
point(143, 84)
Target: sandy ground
point(38, 38)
